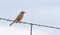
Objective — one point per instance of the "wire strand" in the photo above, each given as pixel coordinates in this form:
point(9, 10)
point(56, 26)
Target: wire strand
point(31, 23)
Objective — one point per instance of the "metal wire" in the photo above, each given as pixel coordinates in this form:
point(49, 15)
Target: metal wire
point(32, 24)
point(31, 29)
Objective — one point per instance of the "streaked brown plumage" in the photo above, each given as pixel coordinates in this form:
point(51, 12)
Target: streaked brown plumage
point(19, 18)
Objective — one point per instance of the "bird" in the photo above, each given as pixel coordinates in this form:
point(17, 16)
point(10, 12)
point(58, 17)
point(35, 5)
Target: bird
point(18, 18)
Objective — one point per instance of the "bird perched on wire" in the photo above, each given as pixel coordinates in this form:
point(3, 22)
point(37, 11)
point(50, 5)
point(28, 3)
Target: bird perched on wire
point(19, 18)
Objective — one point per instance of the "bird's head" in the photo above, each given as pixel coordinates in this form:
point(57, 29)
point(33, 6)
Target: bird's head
point(22, 12)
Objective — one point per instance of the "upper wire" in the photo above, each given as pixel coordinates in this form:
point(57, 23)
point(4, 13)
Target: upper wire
point(32, 24)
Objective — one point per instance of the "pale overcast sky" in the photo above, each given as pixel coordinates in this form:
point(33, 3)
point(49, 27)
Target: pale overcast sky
point(44, 12)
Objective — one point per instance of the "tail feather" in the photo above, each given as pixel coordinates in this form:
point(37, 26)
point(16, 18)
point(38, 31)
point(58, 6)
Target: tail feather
point(10, 24)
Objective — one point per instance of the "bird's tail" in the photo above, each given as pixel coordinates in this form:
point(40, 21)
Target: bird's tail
point(10, 24)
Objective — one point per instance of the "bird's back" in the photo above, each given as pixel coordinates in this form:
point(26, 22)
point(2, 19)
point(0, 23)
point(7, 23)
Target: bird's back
point(19, 17)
